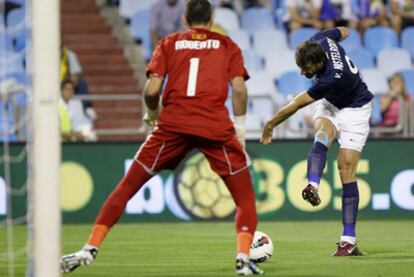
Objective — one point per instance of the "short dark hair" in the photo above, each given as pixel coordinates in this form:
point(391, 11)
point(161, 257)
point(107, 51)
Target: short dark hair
point(198, 12)
point(66, 82)
point(309, 52)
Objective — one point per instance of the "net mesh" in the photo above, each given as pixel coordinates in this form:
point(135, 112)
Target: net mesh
point(15, 91)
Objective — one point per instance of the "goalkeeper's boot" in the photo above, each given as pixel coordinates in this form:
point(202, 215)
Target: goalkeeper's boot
point(85, 256)
point(310, 194)
point(247, 268)
point(345, 248)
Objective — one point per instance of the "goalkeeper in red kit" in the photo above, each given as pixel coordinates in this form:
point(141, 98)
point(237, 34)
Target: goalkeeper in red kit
point(199, 64)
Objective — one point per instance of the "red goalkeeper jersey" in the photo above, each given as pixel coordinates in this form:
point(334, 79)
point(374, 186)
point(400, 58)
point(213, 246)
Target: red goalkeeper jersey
point(199, 65)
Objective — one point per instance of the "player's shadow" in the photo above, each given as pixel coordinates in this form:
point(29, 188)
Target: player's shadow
point(302, 275)
point(379, 254)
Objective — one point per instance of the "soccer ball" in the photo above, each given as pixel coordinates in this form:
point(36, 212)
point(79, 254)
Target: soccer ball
point(262, 247)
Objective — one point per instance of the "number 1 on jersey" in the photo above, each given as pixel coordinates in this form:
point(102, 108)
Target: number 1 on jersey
point(192, 76)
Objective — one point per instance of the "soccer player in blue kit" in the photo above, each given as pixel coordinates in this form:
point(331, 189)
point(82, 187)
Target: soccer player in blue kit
point(343, 113)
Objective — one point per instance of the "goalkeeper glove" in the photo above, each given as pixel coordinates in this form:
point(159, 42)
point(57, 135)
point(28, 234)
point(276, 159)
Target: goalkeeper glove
point(239, 126)
point(151, 117)
point(85, 256)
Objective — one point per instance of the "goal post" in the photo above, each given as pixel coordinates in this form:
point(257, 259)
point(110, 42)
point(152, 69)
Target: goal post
point(45, 196)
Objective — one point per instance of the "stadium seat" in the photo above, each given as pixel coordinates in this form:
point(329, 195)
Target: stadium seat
point(269, 40)
point(13, 64)
point(226, 18)
point(300, 35)
point(6, 121)
point(407, 40)
point(393, 60)
point(253, 122)
point(241, 38)
point(21, 99)
point(362, 58)
point(19, 39)
point(140, 31)
point(277, 63)
point(257, 18)
point(280, 9)
point(296, 126)
point(352, 41)
point(15, 18)
point(375, 80)
point(20, 2)
point(291, 83)
point(261, 84)
point(261, 107)
point(378, 38)
point(409, 80)
point(79, 118)
point(252, 60)
point(127, 8)
point(6, 45)
point(376, 115)
point(20, 78)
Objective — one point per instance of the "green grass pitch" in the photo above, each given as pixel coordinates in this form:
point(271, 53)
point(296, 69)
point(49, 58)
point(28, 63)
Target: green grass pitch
point(208, 249)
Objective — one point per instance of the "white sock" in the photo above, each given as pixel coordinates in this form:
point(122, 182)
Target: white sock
point(351, 240)
point(242, 256)
point(89, 247)
point(315, 185)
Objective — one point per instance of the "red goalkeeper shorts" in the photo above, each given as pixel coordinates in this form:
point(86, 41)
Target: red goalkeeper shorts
point(164, 150)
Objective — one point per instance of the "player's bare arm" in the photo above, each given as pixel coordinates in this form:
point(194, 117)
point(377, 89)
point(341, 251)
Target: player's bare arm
point(239, 96)
point(239, 102)
point(152, 91)
point(301, 100)
point(344, 32)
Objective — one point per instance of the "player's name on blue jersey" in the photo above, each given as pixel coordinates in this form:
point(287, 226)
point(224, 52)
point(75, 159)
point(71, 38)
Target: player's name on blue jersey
point(335, 55)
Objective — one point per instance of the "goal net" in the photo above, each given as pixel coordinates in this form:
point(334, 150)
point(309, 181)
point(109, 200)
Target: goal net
point(29, 133)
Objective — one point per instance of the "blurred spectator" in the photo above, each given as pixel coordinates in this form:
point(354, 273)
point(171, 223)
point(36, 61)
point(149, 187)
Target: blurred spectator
point(390, 103)
point(70, 68)
point(338, 13)
point(240, 5)
point(372, 13)
point(303, 13)
point(66, 127)
point(257, 3)
point(402, 14)
point(112, 2)
point(166, 17)
point(235, 5)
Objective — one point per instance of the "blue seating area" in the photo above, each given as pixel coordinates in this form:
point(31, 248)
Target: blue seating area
point(407, 40)
point(409, 80)
point(13, 39)
point(353, 41)
point(292, 83)
point(362, 58)
point(140, 31)
point(255, 19)
point(379, 38)
point(300, 35)
point(269, 50)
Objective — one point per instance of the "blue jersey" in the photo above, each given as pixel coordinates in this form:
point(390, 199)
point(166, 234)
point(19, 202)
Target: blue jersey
point(339, 83)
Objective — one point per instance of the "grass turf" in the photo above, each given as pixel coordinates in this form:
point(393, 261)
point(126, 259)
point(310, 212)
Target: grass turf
point(208, 249)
